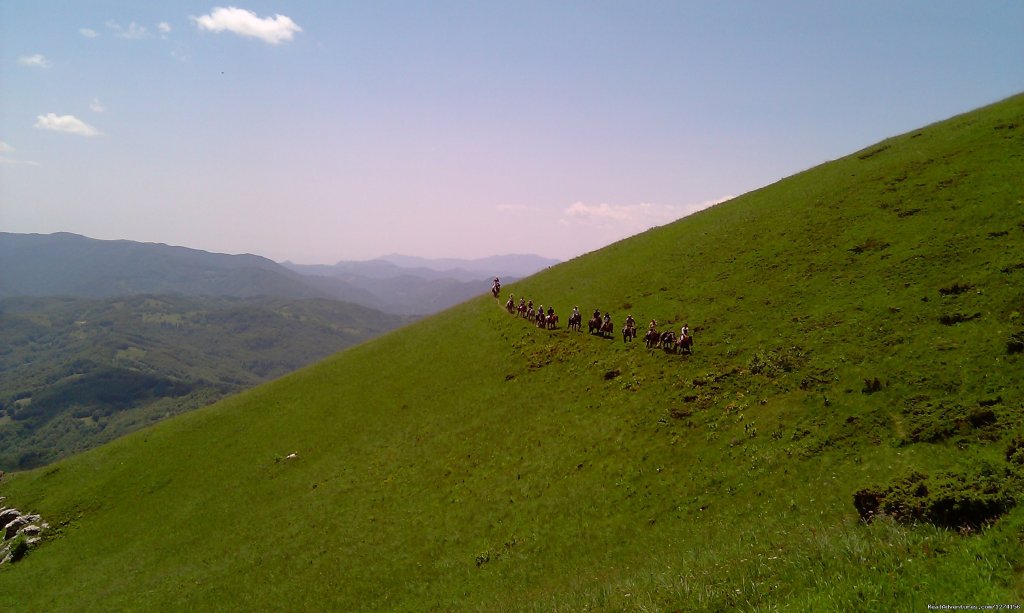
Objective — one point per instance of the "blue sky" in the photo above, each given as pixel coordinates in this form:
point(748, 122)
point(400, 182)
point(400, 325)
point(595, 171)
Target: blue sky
point(320, 131)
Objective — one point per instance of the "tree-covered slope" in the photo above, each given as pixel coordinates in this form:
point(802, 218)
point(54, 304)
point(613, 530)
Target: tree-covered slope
point(858, 329)
point(75, 373)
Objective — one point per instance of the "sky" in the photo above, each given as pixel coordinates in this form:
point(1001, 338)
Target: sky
point(320, 131)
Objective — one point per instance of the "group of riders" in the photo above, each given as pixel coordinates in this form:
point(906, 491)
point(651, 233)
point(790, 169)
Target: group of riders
point(599, 324)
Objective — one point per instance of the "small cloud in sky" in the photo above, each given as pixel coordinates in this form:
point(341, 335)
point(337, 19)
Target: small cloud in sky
point(631, 217)
point(132, 31)
point(35, 61)
point(88, 32)
point(5, 159)
point(65, 123)
point(165, 29)
point(238, 21)
point(96, 106)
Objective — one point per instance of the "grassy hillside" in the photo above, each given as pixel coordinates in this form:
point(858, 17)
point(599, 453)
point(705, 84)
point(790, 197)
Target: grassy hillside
point(856, 324)
point(75, 373)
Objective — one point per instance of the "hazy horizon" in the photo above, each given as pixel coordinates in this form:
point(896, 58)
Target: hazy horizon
point(316, 132)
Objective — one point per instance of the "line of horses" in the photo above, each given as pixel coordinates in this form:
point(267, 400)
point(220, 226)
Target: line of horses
point(667, 340)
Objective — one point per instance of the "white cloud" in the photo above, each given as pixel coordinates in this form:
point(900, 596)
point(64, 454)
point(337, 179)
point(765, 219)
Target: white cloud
point(5, 148)
point(88, 32)
point(96, 106)
point(238, 21)
point(631, 217)
point(65, 123)
point(36, 61)
point(132, 32)
point(165, 29)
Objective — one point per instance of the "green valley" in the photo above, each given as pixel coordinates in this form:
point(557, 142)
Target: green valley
point(76, 372)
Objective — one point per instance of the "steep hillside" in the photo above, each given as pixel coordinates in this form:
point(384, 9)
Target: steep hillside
point(858, 330)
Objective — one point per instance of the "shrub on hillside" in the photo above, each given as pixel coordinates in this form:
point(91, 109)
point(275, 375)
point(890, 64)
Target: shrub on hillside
point(948, 500)
point(1016, 342)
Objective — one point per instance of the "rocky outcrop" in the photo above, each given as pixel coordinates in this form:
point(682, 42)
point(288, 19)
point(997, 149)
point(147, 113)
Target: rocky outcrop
point(21, 531)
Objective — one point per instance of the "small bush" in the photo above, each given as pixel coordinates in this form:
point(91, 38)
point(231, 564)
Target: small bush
point(871, 386)
point(955, 289)
point(948, 500)
point(19, 547)
point(1016, 342)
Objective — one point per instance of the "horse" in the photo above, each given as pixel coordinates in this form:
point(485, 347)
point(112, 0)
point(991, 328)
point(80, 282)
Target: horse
point(685, 343)
point(653, 337)
point(594, 324)
point(510, 306)
point(668, 340)
point(530, 313)
point(552, 321)
point(541, 319)
point(607, 329)
point(628, 333)
point(496, 289)
point(574, 321)
point(522, 309)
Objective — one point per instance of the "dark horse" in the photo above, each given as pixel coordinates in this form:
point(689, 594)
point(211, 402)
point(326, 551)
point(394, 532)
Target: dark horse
point(574, 321)
point(653, 337)
point(594, 324)
point(552, 321)
point(607, 329)
point(685, 343)
point(496, 289)
point(510, 306)
point(628, 333)
point(668, 340)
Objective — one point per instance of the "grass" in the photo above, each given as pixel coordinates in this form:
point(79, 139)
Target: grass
point(474, 462)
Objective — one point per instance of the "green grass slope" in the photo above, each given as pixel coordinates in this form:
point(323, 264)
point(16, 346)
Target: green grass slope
point(474, 462)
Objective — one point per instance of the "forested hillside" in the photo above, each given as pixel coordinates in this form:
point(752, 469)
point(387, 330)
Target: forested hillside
point(75, 373)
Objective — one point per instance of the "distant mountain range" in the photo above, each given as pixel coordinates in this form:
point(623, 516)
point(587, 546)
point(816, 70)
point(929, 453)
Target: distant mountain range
point(66, 264)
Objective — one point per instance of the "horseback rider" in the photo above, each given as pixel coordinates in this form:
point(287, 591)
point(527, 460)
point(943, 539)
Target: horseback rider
point(684, 332)
point(653, 325)
point(597, 314)
point(607, 318)
point(576, 312)
point(551, 312)
point(629, 321)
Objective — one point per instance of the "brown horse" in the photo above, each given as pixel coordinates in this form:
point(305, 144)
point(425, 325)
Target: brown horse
point(685, 343)
point(552, 320)
point(628, 333)
point(607, 329)
point(510, 306)
point(653, 337)
point(594, 325)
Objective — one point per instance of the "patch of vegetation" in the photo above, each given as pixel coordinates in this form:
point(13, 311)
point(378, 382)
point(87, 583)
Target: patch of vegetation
point(948, 500)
